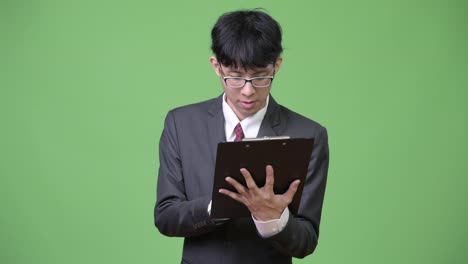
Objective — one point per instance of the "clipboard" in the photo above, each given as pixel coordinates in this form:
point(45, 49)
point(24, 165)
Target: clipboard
point(289, 157)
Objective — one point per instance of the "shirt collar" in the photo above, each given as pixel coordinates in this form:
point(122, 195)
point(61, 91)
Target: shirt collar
point(250, 125)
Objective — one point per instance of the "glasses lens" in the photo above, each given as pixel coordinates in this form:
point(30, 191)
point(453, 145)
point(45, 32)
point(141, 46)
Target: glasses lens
point(261, 82)
point(235, 82)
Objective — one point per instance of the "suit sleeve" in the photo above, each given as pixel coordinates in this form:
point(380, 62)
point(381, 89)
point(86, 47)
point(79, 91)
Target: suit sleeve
point(299, 237)
point(174, 215)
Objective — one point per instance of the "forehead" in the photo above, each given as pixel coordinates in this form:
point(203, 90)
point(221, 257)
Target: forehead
point(247, 70)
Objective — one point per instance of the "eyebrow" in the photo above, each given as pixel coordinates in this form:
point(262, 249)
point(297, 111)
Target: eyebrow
point(255, 72)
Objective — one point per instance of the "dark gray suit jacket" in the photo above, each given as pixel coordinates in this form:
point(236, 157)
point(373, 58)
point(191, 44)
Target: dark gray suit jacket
point(187, 153)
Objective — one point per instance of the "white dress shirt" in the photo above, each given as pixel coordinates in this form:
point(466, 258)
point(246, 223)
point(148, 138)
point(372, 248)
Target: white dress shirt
point(251, 126)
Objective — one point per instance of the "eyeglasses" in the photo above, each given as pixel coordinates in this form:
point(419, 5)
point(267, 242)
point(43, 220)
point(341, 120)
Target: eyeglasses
point(239, 82)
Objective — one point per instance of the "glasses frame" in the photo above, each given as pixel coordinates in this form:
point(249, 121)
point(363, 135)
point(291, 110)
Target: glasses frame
point(246, 80)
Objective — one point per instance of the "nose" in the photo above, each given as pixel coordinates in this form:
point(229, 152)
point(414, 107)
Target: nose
point(248, 89)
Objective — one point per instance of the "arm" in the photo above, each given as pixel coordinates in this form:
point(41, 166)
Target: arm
point(299, 237)
point(174, 215)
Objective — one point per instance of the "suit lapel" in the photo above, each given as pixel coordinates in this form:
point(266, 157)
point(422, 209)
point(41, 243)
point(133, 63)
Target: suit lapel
point(215, 127)
point(274, 122)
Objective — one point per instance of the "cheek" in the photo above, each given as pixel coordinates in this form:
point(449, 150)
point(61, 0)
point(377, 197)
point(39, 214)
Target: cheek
point(230, 93)
point(264, 93)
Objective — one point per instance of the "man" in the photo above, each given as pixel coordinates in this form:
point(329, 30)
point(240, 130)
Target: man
point(247, 49)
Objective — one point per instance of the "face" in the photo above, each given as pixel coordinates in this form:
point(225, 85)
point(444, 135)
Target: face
point(247, 100)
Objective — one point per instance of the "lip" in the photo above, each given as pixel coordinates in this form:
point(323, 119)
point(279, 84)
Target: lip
point(248, 104)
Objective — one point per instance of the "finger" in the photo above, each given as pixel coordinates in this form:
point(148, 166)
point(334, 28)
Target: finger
point(289, 194)
point(239, 187)
point(270, 179)
point(233, 195)
point(248, 179)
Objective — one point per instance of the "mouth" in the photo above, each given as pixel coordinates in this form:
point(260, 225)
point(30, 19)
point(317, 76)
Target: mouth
point(248, 104)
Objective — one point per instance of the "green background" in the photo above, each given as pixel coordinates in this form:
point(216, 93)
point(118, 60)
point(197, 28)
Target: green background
point(85, 86)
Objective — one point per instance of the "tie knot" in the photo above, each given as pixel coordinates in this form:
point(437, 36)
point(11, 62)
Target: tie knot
point(239, 132)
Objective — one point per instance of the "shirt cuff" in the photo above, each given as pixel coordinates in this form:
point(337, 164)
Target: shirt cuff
point(209, 209)
point(270, 228)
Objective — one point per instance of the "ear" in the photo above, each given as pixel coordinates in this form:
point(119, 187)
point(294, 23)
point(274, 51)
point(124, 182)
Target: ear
point(279, 60)
point(215, 65)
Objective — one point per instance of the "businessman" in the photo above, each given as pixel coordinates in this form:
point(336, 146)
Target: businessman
point(246, 58)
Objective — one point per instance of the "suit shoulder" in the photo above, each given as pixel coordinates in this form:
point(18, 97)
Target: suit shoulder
point(194, 109)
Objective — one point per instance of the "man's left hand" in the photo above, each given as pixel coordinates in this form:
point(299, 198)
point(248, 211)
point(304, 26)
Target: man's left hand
point(263, 203)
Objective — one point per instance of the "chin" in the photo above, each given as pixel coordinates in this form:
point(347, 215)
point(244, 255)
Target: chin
point(250, 112)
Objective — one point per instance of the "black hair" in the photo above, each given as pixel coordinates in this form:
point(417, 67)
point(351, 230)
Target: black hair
point(247, 39)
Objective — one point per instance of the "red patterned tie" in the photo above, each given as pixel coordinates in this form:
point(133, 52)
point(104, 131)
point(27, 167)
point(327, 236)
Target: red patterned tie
point(239, 132)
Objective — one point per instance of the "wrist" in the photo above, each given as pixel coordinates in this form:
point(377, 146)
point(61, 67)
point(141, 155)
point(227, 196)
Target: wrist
point(267, 215)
